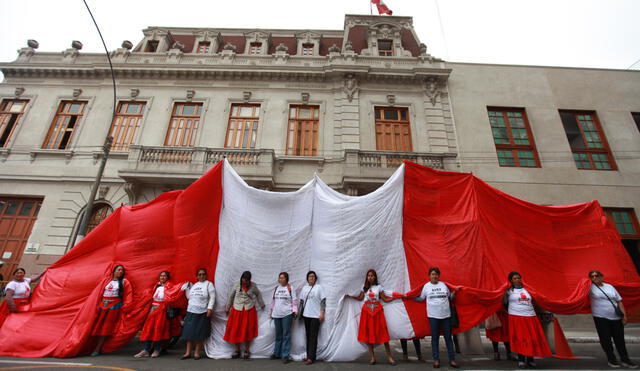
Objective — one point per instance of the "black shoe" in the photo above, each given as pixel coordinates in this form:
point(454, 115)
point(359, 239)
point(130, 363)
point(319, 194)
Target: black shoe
point(613, 363)
point(628, 364)
point(273, 356)
point(286, 360)
point(531, 364)
point(235, 355)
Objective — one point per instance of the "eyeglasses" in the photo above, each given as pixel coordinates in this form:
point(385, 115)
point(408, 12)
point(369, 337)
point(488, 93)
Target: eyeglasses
point(202, 274)
point(595, 275)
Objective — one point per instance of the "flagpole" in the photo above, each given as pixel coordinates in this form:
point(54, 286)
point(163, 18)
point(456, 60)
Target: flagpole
point(370, 8)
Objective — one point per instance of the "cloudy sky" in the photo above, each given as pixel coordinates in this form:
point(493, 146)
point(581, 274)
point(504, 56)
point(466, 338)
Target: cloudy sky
point(579, 33)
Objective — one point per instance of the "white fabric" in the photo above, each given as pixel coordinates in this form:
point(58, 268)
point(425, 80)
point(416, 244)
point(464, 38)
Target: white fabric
point(373, 293)
point(158, 295)
point(314, 228)
point(21, 290)
point(600, 305)
point(312, 297)
point(201, 296)
point(520, 303)
point(437, 297)
point(285, 302)
point(111, 290)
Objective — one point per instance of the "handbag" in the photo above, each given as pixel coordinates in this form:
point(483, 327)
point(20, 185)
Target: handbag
point(455, 321)
point(616, 308)
point(304, 302)
point(492, 322)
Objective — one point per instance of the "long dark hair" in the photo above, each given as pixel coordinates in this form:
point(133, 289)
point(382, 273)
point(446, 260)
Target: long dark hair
point(168, 277)
point(513, 274)
point(366, 281)
point(120, 280)
point(246, 275)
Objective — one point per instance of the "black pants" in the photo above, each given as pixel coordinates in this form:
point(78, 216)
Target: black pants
point(507, 347)
point(526, 359)
point(311, 329)
point(416, 345)
point(608, 329)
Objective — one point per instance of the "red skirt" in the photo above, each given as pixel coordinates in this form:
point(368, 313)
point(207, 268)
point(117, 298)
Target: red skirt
point(108, 314)
point(500, 334)
point(241, 326)
point(156, 327)
point(373, 325)
point(22, 305)
point(527, 338)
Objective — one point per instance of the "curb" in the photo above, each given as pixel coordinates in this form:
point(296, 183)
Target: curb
point(594, 339)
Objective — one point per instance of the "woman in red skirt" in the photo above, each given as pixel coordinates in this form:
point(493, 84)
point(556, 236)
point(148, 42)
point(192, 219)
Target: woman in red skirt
point(157, 326)
point(499, 333)
point(373, 324)
point(18, 292)
point(525, 333)
point(242, 323)
point(116, 295)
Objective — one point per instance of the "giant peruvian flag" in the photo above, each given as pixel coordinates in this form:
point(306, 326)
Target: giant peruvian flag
point(419, 218)
point(382, 7)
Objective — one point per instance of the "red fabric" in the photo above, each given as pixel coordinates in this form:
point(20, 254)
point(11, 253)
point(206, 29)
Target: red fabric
point(500, 334)
point(177, 232)
point(477, 234)
point(562, 345)
point(527, 338)
point(242, 325)
point(382, 7)
point(156, 326)
point(373, 324)
point(106, 322)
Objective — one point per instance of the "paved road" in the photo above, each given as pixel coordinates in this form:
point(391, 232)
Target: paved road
point(592, 358)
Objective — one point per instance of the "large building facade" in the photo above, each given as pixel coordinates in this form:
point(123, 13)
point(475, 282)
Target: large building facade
point(281, 105)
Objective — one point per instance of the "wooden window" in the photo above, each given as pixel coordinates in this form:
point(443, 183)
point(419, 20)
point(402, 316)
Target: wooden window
point(64, 124)
point(393, 130)
point(586, 138)
point(17, 216)
point(302, 134)
point(125, 124)
point(625, 221)
point(385, 48)
point(307, 49)
point(100, 213)
point(242, 129)
point(636, 118)
point(152, 46)
point(203, 47)
point(10, 112)
point(183, 125)
point(255, 48)
point(513, 138)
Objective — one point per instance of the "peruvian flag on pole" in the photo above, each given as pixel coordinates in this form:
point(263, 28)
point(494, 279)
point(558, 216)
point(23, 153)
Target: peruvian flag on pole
point(382, 7)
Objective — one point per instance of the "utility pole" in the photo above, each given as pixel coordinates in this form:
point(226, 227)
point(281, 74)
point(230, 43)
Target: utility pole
point(106, 148)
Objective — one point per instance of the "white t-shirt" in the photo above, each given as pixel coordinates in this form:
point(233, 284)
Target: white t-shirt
point(21, 290)
point(520, 303)
point(111, 290)
point(201, 296)
point(158, 295)
point(312, 296)
point(437, 297)
point(373, 293)
point(601, 306)
point(284, 302)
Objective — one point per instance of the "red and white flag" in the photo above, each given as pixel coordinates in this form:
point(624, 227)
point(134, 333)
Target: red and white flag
point(382, 7)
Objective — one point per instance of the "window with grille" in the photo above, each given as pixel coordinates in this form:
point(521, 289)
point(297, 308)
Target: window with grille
point(625, 221)
point(393, 130)
point(203, 47)
point(307, 49)
point(100, 213)
point(586, 138)
point(242, 128)
point(64, 125)
point(126, 124)
point(302, 133)
point(183, 126)
point(11, 111)
point(513, 137)
point(255, 48)
point(385, 48)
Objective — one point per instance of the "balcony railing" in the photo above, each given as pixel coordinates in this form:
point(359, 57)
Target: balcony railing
point(391, 159)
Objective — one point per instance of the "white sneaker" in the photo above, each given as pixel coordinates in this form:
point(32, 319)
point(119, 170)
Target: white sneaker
point(613, 364)
point(628, 364)
point(143, 353)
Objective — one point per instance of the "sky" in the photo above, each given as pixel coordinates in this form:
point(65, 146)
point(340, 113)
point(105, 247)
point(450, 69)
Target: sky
point(573, 33)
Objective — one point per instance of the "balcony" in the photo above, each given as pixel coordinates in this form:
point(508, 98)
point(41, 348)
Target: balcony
point(161, 165)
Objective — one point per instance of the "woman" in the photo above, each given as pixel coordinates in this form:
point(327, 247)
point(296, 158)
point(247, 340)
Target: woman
point(18, 291)
point(284, 307)
point(201, 298)
point(242, 323)
point(525, 333)
point(313, 303)
point(156, 327)
point(437, 295)
point(115, 296)
point(373, 324)
point(609, 321)
point(499, 334)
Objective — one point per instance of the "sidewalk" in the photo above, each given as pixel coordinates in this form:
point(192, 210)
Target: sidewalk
point(631, 334)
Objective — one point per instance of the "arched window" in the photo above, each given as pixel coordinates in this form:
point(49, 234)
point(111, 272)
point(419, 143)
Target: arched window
point(100, 212)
